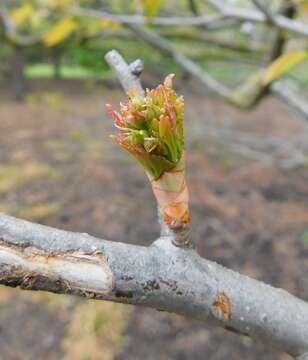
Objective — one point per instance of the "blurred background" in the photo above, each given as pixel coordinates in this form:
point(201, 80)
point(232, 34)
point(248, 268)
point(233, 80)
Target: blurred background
point(247, 169)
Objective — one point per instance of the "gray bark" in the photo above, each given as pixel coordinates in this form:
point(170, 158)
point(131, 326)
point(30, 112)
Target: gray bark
point(129, 78)
point(161, 276)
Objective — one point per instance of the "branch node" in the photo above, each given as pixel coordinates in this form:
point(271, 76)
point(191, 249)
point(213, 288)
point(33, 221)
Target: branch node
point(136, 67)
point(180, 234)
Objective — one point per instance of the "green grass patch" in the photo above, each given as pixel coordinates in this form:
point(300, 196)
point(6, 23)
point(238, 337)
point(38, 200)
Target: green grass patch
point(39, 211)
point(46, 71)
point(13, 176)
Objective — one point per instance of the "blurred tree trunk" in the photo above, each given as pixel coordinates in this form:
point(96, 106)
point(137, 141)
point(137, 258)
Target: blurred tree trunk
point(193, 7)
point(56, 56)
point(20, 86)
point(279, 42)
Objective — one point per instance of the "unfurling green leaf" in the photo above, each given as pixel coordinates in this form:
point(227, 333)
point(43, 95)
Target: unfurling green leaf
point(151, 128)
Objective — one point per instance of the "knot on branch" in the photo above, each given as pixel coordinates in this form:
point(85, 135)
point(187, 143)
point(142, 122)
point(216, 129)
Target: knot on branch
point(180, 233)
point(136, 67)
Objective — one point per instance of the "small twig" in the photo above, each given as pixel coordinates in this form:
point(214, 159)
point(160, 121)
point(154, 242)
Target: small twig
point(292, 96)
point(219, 20)
point(264, 10)
point(163, 45)
point(250, 92)
point(136, 67)
point(129, 77)
point(202, 20)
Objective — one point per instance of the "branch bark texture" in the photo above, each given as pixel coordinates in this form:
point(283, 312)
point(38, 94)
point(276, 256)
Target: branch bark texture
point(161, 276)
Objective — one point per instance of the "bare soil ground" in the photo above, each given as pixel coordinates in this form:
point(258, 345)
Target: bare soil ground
point(249, 198)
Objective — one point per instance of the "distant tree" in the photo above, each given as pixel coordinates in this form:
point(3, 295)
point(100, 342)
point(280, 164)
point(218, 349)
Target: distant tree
point(224, 24)
point(49, 29)
point(61, 24)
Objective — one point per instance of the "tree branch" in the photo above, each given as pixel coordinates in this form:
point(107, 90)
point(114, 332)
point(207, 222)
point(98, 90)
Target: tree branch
point(291, 96)
point(128, 76)
point(162, 276)
point(206, 38)
point(163, 45)
point(276, 20)
point(202, 20)
point(264, 10)
point(244, 96)
point(195, 70)
point(247, 94)
point(220, 20)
